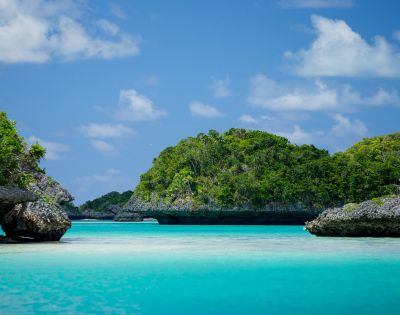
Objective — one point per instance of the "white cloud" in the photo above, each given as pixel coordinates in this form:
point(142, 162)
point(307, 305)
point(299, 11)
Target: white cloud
point(268, 94)
point(317, 4)
point(107, 181)
point(339, 51)
point(282, 125)
point(345, 126)
point(102, 146)
point(339, 135)
point(38, 31)
point(299, 136)
point(248, 119)
point(108, 27)
point(396, 35)
point(107, 176)
point(94, 130)
point(152, 80)
point(117, 11)
point(54, 150)
point(133, 107)
point(220, 88)
point(203, 110)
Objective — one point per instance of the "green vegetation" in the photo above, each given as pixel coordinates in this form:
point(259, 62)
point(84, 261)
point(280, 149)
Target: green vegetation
point(350, 207)
point(105, 202)
point(49, 199)
point(242, 167)
point(16, 158)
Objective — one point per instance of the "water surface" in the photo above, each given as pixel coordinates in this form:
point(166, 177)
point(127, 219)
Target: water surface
point(146, 268)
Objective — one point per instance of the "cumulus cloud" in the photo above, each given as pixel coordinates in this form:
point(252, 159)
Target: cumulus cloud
point(396, 35)
point(283, 124)
point(299, 136)
point(268, 94)
point(103, 146)
point(317, 4)
point(204, 110)
point(108, 27)
point(221, 88)
point(94, 130)
point(110, 179)
point(117, 11)
point(39, 31)
point(54, 150)
point(248, 119)
point(152, 80)
point(344, 126)
point(134, 106)
point(339, 134)
point(339, 51)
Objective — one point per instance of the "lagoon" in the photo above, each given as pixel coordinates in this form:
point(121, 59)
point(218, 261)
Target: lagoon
point(103, 267)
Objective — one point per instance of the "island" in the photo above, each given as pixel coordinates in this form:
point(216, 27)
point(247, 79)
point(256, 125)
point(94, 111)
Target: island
point(254, 177)
point(106, 207)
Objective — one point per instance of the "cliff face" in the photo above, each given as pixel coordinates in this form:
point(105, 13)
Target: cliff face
point(36, 214)
point(376, 218)
point(186, 213)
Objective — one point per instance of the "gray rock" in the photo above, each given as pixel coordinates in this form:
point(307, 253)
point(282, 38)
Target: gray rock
point(10, 196)
point(90, 215)
point(375, 218)
point(15, 195)
point(128, 217)
point(184, 212)
point(47, 188)
point(40, 220)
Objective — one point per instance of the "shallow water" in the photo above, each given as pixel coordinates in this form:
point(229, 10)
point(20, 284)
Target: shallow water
point(146, 268)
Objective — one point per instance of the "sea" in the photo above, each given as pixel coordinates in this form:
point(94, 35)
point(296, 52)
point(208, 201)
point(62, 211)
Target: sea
point(102, 267)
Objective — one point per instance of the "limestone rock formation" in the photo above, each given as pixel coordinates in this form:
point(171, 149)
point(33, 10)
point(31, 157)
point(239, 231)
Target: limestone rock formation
point(42, 219)
point(90, 215)
point(376, 218)
point(38, 220)
point(128, 217)
point(185, 213)
point(10, 196)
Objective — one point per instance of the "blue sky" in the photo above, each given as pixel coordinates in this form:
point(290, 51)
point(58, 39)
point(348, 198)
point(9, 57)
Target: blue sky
point(106, 85)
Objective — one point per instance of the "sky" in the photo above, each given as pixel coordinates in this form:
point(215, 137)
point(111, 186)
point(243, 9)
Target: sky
point(106, 85)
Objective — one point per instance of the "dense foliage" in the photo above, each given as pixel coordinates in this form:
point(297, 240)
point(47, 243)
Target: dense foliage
point(370, 168)
point(242, 167)
point(16, 158)
point(105, 202)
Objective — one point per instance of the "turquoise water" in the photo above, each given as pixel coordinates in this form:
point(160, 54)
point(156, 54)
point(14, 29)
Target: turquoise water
point(145, 268)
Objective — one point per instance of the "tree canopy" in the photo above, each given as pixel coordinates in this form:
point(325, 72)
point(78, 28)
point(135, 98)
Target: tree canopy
point(16, 158)
point(243, 167)
point(105, 202)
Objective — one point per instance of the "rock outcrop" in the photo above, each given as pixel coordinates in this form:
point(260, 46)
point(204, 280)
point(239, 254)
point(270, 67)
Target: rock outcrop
point(39, 216)
point(185, 213)
point(10, 196)
point(76, 213)
point(128, 217)
point(90, 215)
point(375, 218)
point(39, 220)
